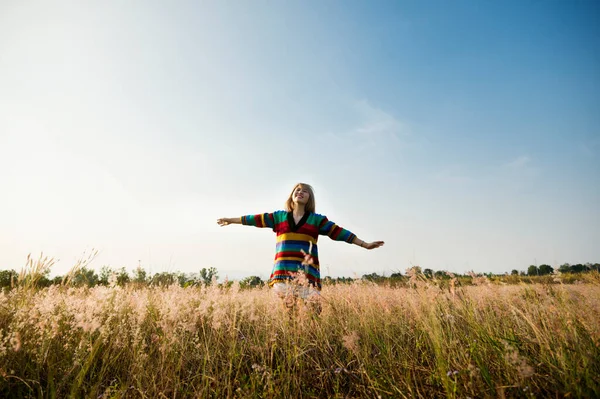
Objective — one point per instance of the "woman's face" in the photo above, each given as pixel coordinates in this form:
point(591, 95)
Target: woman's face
point(301, 195)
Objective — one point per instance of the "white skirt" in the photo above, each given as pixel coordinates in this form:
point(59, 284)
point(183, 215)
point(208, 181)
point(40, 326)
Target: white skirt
point(283, 290)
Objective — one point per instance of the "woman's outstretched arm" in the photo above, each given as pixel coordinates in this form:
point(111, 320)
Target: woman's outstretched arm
point(227, 221)
point(337, 233)
point(367, 245)
point(259, 220)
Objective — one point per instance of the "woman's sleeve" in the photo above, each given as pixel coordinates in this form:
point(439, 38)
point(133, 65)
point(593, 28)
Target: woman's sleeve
point(259, 220)
point(335, 232)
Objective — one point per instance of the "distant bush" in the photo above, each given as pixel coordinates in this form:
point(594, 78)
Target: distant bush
point(8, 278)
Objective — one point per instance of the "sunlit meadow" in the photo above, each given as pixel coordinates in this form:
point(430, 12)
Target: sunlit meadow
point(423, 339)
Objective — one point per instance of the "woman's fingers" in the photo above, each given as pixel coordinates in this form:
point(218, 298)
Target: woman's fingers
point(308, 259)
point(375, 244)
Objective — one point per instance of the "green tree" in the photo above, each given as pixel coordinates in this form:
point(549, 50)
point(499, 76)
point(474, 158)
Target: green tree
point(163, 278)
point(182, 279)
point(428, 273)
point(440, 274)
point(122, 277)
point(57, 280)
point(139, 275)
point(324, 280)
point(372, 277)
point(564, 268)
point(578, 268)
point(85, 276)
point(514, 272)
point(545, 269)
point(105, 273)
point(7, 278)
point(532, 270)
point(255, 281)
point(207, 275)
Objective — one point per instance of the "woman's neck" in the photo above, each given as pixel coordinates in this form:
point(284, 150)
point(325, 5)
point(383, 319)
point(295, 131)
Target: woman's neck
point(298, 210)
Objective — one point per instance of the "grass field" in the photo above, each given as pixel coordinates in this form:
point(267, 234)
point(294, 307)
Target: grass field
point(487, 340)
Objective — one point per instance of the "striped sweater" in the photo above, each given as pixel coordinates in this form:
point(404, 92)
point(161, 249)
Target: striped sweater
point(292, 238)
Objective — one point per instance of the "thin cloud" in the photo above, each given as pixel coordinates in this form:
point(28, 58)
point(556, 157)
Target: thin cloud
point(453, 179)
point(519, 163)
point(589, 147)
point(453, 175)
point(378, 124)
point(522, 165)
point(374, 128)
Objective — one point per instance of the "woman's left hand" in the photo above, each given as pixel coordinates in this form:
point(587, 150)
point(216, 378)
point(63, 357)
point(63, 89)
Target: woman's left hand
point(374, 244)
point(308, 259)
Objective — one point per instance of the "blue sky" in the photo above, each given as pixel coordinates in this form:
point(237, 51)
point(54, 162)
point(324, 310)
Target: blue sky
point(465, 134)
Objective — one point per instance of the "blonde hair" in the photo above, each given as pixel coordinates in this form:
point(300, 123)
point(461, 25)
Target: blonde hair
point(310, 205)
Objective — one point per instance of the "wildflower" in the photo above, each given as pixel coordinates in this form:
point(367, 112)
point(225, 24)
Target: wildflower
point(416, 277)
point(556, 276)
point(520, 363)
point(15, 341)
point(479, 279)
point(113, 279)
point(258, 368)
point(351, 341)
point(524, 369)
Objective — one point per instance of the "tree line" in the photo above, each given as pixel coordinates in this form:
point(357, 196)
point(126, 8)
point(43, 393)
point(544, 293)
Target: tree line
point(85, 276)
point(543, 270)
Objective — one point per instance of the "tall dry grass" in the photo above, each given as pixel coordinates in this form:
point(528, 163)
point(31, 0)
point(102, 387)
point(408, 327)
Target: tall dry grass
point(369, 341)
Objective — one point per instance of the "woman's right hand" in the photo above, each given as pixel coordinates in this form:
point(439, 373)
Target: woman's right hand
point(223, 222)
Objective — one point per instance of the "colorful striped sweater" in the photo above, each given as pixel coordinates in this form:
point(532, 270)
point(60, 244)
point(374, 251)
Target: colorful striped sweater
point(292, 238)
